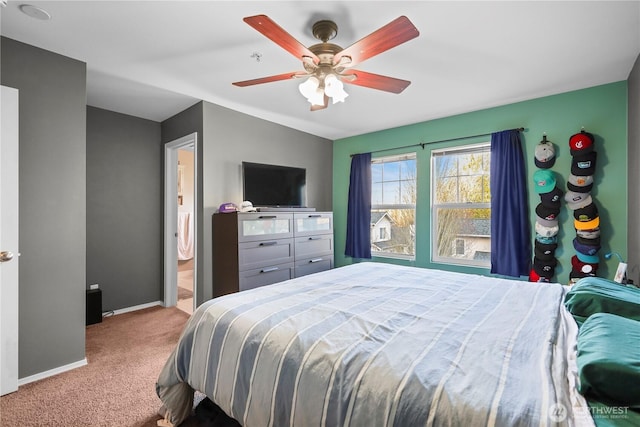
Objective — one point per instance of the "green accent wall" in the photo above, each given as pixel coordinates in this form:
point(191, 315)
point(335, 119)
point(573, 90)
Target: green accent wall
point(601, 110)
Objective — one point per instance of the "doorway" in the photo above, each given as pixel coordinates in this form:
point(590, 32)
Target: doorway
point(180, 282)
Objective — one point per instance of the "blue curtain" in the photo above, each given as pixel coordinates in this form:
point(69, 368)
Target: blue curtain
point(359, 208)
point(510, 229)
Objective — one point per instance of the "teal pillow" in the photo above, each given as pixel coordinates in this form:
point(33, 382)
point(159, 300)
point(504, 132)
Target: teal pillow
point(609, 359)
point(597, 295)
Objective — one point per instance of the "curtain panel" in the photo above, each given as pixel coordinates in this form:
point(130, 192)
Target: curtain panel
point(358, 243)
point(510, 229)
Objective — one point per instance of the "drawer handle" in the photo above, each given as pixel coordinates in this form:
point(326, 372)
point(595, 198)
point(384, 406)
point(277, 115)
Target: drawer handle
point(311, 261)
point(268, 243)
point(268, 269)
point(267, 217)
point(315, 238)
point(315, 216)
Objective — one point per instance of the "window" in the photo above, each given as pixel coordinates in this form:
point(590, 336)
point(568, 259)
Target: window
point(461, 205)
point(393, 205)
point(383, 233)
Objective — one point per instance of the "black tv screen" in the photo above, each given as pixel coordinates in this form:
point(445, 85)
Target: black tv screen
point(271, 185)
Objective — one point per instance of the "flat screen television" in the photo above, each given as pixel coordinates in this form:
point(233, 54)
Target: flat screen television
point(274, 186)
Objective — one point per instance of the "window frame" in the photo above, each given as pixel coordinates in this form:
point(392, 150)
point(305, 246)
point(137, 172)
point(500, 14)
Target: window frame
point(413, 155)
point(435, 258)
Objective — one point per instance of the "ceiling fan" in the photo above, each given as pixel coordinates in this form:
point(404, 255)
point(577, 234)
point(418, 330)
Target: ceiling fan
point(327, 65)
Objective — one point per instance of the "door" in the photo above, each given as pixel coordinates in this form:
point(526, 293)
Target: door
point(8, 240)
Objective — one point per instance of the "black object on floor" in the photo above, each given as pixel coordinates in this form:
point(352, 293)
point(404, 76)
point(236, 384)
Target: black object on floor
point(210, 415)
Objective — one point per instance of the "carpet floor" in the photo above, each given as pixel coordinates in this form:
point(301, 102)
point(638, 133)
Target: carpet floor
point(125, 354)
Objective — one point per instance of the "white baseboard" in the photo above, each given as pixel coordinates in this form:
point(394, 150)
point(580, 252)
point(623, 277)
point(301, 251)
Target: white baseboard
point(51, 372)
point(136, 307)
point(83, 362)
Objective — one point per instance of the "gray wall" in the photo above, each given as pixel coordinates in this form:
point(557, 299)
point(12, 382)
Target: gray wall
point(225, 139)
point(124, 208)
point(231, 137)
point(633, 249)
point(52, 90)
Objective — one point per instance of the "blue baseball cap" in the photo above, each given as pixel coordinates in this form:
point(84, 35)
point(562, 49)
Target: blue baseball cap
point(588, 259)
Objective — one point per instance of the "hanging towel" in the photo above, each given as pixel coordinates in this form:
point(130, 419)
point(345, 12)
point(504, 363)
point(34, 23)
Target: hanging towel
point(185, 236)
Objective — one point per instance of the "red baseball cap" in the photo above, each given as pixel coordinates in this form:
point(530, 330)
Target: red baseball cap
point(581, 143)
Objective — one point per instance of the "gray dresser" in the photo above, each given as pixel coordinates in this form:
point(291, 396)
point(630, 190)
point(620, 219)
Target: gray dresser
point(257, 249)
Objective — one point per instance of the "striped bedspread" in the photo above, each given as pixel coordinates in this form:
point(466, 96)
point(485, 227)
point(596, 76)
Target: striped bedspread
point(375, 344)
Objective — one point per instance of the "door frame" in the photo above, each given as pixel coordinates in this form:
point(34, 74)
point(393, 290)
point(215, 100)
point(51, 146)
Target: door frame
point(171, 218)
point(9, 204)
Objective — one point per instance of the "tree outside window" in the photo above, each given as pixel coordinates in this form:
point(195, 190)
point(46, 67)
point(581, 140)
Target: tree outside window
point(393, 202)
point(461, 208)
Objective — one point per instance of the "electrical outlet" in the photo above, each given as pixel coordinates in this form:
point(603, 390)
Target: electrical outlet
point(94, 286)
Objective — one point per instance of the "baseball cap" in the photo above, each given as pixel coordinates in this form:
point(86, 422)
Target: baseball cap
point(583, 267)
point(544, 268)
point(588, 259)
point(547, 240)
point(535, 277)
point(581, 203)
point(579, 275)
point(585, 249)
point(575, 197)
point(543, 255)
point(546, 231)
point(552, 198)
point(247, 206)
point(594, 233)
point(591, 241)
point(587, 213)
point(227, 208)
point(545, 181)
point(587, 225)
point(581, 143)
point(545, 248)
point(580, 184)
point(545, 154)
point(546, 215)
point(584, 164)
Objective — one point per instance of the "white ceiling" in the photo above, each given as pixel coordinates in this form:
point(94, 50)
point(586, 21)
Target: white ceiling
point(152, 59)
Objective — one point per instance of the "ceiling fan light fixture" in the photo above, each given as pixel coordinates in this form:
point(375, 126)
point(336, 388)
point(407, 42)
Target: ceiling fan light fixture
point(334, 88)
point(309, 87)
point(311, 90)
point(328, 65)
point(317, 98)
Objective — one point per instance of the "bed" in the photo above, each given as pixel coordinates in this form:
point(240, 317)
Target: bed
point(374, 344)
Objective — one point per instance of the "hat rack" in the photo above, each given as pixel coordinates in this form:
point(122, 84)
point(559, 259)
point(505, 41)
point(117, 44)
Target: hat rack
point(546, 241)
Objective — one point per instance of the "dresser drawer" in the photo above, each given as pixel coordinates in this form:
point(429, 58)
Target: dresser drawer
point(264, 225)
point(314, 245)
point(266, 252)
point(312, 223)
point(313, 265)
point(250, 279)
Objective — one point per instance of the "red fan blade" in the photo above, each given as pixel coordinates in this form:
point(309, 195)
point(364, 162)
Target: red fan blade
point(278, 35)
point(321, 107)
point(391, 35)
point(375, 81)
point(284, 76)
